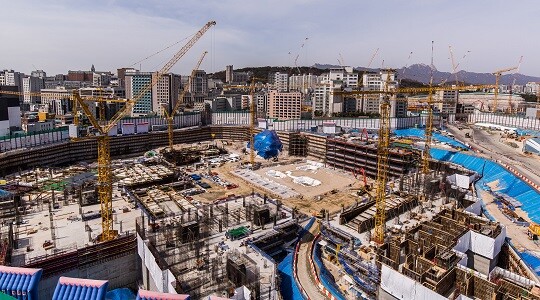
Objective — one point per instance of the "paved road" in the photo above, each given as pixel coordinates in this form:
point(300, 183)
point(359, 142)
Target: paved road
point(493, 147)
point(304, 272)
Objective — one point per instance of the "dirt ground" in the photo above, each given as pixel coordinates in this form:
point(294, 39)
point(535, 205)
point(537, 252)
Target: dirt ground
point(518, 234)
point(345, 184)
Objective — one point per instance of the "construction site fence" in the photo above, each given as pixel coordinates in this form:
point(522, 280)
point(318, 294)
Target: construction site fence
point(325, 276)
point(243, 119)
point(21, 141)
point(504, 120)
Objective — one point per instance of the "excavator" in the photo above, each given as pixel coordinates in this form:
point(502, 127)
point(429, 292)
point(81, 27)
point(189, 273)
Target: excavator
point(365, 188)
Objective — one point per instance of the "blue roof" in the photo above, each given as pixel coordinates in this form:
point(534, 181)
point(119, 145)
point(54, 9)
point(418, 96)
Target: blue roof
point(80, 289)
point(420, 133)
point(20, 283)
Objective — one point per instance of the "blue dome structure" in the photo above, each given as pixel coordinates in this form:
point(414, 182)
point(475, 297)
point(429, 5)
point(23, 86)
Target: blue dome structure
point(267, 144)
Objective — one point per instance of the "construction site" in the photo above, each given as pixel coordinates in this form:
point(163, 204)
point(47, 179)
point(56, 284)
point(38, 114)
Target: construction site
point(238, 211)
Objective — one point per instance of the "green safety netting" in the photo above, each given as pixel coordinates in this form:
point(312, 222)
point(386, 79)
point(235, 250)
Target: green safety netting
point(238, 232)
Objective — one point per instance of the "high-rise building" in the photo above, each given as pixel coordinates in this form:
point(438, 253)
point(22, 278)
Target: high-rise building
point(229, 74)
point(446, 101)
point(135, 83)
point(385, 79)
point(281, 82)
point(284, 105)
point(121, 73)
point(303, 83)
point(32, 84)
point(324, 99)
point(39, 73)
point(12, 78)
point(344, 74)
point(165, 93)
point(199, 83)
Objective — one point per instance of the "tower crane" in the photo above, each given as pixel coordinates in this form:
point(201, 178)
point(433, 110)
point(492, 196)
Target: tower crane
point(510, 102)
point(372, 58)
point(253, 119)
point(170, 115)
point(104, 126)
point(382, 165)
point(498, 74)
point(384, 142)
point(429, 122)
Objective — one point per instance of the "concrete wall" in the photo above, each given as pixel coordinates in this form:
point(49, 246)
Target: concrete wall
point(120, 272)
point(510, 121)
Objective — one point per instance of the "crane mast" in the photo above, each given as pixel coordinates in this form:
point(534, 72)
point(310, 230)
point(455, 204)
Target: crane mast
point(103, 127)
point(170, 115)
point(498, 75)
point(382, 165)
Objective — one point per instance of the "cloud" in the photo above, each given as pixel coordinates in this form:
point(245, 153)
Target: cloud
point(62, 35)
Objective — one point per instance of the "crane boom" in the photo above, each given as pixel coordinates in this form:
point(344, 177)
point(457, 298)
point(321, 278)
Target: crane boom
point(131, 102)
point(170, 115)
point(498, 75)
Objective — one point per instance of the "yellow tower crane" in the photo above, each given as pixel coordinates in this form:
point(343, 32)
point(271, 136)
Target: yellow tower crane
point(170, 115)
point(384, 142)
point(429, 121)
point(510, 101)
point(498, 75)
point(382, 164)
point(104, 126)
point(253, 120)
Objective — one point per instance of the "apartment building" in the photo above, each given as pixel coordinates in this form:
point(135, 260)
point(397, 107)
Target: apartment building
point(284, 106)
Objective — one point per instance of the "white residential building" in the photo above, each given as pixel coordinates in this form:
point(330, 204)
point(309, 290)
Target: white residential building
point(281, 82)
point(303, 83)
point(31, 84)
point(384, 80)
point(532, 88)
point(165, 93)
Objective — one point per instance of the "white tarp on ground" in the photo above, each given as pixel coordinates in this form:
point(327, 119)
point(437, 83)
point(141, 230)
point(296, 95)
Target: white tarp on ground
point(310, 166)
point(315, 163)
point(306, 181)
point(303, 180)
point(403, 287)
point(307, 168)
point(275, 174)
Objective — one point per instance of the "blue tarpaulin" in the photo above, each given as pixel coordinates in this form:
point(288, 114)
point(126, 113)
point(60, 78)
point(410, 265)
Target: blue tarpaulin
point(267, 144)
point(530, 132)
point(288, 287)
point(416, 132)
point(120, 294)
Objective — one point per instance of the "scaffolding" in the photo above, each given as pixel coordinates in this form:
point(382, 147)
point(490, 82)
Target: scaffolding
point(298, 144)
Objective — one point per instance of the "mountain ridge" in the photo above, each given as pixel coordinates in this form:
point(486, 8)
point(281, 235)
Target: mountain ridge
point(421, 73)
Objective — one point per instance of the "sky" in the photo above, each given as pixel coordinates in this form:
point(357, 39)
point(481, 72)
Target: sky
point(57, 36)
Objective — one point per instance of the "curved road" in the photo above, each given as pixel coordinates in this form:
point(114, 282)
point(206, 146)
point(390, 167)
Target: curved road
point(304, 271)
point(495, 149)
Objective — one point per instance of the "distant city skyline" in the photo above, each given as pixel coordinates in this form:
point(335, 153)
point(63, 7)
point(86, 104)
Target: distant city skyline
point(58, 36)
